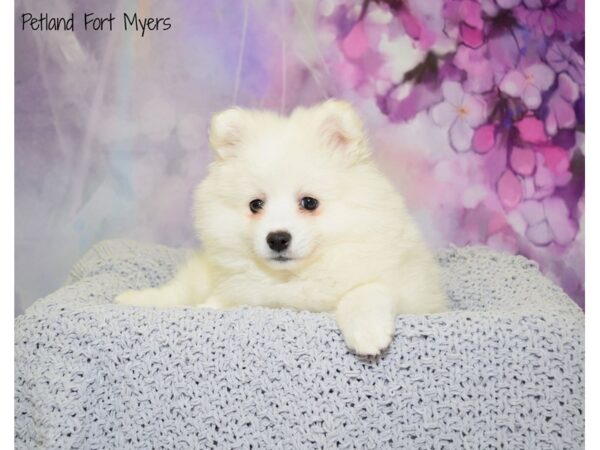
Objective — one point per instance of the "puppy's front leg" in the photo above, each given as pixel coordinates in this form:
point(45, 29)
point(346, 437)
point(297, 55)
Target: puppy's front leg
point(191, 286)
point(366, 318)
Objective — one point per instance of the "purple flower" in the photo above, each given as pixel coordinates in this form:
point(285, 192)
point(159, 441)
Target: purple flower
point(480, 74)
point(528, 84)
point(563, 58)
point(462, 112)
point(466, 15)
point(503, 54)
point(506, 82)
point(508, 4)
point(545, 221)
point(560, 106)
point(545, 17)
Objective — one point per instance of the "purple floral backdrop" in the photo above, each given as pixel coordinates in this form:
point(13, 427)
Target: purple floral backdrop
point(476, 110)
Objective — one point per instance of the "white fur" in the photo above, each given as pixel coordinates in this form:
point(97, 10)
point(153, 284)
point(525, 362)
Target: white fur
point(358, 254)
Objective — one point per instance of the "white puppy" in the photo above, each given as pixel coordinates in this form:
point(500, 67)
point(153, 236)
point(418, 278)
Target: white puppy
point(294, 214)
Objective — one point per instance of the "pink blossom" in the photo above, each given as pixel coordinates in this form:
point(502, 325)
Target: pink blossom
point(410, 24)
point(472, 37)
point(528, 84)
point(531, 129)
point(522, 160)
point(545, 179)
point(556, 159)
point(356, 44)
point(470, 14)
point(509, 189)
point(471, 28)
point(461, 111)
point(484, 138)
point(560, 106)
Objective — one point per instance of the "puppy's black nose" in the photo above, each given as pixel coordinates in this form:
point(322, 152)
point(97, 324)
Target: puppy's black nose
point(279, 240)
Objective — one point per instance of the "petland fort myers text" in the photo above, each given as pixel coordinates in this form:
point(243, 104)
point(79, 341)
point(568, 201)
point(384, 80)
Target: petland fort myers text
point(94, 22)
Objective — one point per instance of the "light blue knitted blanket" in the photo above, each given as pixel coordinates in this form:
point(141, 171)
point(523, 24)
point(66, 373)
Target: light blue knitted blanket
point(504, 367)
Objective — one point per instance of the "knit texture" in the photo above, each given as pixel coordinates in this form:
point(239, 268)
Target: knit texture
point(504, 368)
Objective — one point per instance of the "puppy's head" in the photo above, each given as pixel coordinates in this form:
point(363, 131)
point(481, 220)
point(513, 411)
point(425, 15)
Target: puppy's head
point(278, 193)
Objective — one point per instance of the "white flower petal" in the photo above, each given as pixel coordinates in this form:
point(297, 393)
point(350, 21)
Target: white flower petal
point(475, 110)
point(542, 75)
point(513, 83)
point(443, 114)
point(531, 97)
point(453, 92)
point(461, 135)
point(568, 89)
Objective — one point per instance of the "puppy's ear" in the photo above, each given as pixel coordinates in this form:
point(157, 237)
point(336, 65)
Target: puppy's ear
point(341, 129)
point(226, 131)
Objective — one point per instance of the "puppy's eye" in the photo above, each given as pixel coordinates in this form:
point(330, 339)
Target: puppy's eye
point(309, 203)
point(256, 205)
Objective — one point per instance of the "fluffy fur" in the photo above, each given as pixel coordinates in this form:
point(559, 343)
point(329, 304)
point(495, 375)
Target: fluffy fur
point(358, 254)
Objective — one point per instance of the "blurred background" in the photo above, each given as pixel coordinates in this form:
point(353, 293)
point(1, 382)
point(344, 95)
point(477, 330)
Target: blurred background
point(475, 107)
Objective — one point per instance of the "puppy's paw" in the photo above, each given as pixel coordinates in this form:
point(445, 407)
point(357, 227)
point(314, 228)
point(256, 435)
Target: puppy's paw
point(366, 318)
point(368, 336)
point(145, 297)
